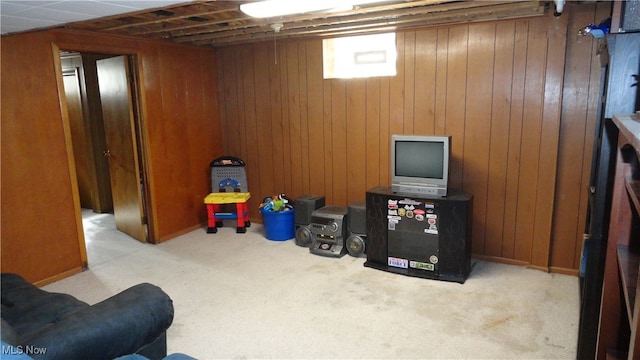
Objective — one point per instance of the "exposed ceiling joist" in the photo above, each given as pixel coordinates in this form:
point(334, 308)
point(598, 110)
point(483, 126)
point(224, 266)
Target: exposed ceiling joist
point(221, 23)
point(369, 21)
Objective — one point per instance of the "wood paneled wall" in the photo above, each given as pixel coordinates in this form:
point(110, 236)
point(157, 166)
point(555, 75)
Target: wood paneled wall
point(520, 109)
point(496, 87)
point(581, 97)
point(41, 224)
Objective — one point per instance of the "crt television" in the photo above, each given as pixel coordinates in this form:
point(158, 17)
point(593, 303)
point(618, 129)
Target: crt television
point(420, 164)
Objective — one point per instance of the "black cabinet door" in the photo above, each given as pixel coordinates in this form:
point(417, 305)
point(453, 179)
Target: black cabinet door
point(426, 237)
point(624, 67)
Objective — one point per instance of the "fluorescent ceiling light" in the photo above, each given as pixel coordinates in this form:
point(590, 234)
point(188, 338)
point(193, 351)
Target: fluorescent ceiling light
point(272, 8)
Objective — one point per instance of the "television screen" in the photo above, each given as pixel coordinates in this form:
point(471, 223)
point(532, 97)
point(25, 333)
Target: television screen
point(420, 164)
point(420, 159)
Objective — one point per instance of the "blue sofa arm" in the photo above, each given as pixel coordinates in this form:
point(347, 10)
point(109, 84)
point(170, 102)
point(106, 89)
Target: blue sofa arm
point(114, 327)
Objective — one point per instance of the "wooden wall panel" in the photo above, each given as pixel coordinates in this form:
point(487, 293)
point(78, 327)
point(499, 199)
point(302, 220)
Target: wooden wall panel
point(249, 127)
point(385, 131)
point(550, 128)
point(372, 135)
point(440, 86)
point(397, 91)
point(279, 127)
point(327, 149)
point(182, 134)
point(515, 140)
point(339, 143)
point(409, 60)
point(495, 87)
point(499, 138)
point(305, 166)
point(477, 132)
point(38, 206)
point(264, 134)
point(579, 113)
point(315, 114)
point(425, 85)
point(355, 140)
point(529, 152)
point(455, 108)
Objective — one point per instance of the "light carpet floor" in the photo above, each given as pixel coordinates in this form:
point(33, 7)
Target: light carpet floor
point(241, 296)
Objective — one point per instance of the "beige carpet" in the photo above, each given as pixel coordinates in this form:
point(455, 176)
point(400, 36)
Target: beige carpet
point(241, 296)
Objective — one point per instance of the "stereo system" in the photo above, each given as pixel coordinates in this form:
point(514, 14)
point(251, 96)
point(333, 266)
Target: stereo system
point(304, 207)
point(330, 230)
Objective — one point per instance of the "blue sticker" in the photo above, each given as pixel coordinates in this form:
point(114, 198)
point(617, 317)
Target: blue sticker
point(398, 262)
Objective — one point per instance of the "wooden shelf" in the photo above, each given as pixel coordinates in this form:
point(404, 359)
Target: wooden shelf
point(628, 263)
point(633, 189)
point(622, 266)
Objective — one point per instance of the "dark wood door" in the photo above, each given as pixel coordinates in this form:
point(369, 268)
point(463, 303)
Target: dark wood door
point(79, 139)
point(122, 152)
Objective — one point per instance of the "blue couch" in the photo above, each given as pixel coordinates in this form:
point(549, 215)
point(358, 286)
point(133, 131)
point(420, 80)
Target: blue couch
point(44, 325)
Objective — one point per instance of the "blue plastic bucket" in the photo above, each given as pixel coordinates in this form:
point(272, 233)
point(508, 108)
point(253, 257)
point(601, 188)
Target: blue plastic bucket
point(279, 225)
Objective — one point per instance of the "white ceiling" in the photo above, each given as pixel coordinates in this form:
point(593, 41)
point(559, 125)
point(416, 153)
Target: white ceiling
point(23, 15)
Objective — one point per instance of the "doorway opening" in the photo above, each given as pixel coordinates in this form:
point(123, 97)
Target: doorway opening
point(104, 243)
point(102, 98)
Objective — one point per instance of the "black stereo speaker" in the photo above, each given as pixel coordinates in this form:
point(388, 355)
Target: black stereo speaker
point(358, 218)
point(303, 235)
point(356, 244)
point(357, 226)
point(304, 206)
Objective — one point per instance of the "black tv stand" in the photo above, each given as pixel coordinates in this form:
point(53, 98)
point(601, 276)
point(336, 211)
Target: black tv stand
point(419, 235)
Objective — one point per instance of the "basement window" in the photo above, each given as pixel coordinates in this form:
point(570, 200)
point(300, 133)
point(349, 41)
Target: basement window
point(359, 56)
